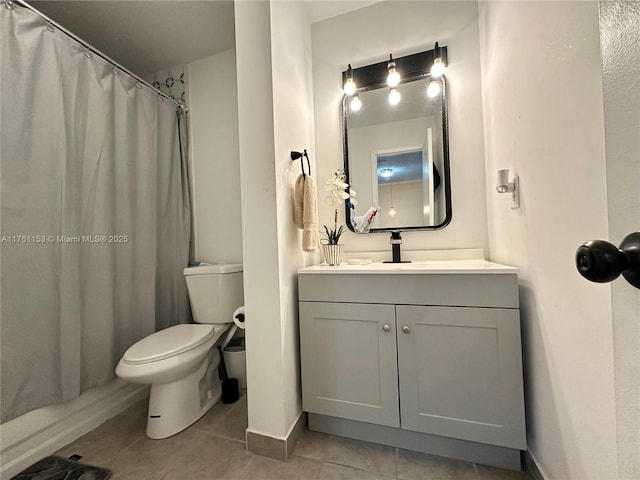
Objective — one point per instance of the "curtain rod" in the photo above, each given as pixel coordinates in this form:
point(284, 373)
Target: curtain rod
point(10, 3)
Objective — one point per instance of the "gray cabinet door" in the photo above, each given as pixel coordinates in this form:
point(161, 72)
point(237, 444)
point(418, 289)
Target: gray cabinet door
point(349, 362)
point(460, 372)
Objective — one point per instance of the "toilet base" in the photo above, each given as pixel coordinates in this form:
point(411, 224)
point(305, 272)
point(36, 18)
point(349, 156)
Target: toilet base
point(177, 405)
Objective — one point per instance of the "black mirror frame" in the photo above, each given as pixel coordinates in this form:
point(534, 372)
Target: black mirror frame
point(363, 76)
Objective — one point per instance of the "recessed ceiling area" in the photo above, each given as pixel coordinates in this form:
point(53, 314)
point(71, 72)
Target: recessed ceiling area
point(148, 36)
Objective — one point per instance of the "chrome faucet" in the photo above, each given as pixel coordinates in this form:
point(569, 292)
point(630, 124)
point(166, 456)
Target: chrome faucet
point(396, 241)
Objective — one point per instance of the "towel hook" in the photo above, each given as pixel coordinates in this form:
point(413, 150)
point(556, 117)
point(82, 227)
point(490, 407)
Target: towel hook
point(300, 155)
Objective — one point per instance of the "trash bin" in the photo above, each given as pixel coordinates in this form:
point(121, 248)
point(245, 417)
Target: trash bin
point(235, 359)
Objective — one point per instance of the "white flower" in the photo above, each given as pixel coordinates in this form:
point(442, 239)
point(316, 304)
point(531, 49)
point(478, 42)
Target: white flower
point(336, 189)
point(341, 184)
point(353, 194)
point(333, 201)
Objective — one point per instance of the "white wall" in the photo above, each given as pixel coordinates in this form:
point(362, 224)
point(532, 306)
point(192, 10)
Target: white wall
point(620, 47)
point(274, 105)
point(214, 153)
point(407, 202)
point(293, 130)
point(259, 220)
point(369, 35)
point(543, 117)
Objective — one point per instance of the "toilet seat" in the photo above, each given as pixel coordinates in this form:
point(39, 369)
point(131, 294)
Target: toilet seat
point(168, 343)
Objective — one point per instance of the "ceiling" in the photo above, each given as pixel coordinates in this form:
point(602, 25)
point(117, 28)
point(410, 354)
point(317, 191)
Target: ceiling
point(319, 10)
point(405, 166)
point(146, 36)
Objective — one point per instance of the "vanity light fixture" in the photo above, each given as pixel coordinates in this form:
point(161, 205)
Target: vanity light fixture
point(394, 96)
point(439, 66)
point(506, 186)
point(349, 85)
point(393, 78)
point(414, 66)
point(355, 104)
point(433, 90)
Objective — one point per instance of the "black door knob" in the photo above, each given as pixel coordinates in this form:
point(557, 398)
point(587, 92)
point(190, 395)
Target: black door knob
point(601, 261)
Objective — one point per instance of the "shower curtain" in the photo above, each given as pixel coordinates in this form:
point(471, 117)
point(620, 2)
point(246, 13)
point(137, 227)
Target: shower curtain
point(95, 215)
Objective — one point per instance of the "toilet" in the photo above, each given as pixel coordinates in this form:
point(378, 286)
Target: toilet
point(180, 362)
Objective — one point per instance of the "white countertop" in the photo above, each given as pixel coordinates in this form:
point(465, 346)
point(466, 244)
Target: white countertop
point(418, 267)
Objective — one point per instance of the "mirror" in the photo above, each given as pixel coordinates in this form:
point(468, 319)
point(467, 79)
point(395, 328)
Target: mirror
point(396, 157)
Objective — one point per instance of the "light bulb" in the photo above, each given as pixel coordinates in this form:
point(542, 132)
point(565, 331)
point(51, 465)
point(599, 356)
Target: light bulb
point(392, 212)
point(393, 79)
point(394, 96)
point(438, 68)
point(349, 86)
point(386, 173)
point(355, 104)
point(433, 90)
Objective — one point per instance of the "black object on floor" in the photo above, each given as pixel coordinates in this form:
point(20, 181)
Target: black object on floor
point(230, 391)
point(230, 386)
point(58, 468)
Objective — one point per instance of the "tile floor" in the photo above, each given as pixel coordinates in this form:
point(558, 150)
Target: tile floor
point(214, 448)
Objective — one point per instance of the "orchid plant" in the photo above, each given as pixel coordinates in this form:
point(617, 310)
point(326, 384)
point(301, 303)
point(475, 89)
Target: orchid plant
point(337, 192)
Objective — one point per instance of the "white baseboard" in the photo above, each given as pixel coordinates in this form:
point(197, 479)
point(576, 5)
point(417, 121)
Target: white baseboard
point(41, 432)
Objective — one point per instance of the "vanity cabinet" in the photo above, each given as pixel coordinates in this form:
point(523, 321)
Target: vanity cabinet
point(460, 373)
point(349, 361)
point(423, 357)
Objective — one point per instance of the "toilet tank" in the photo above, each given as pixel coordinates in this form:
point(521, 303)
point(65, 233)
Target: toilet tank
point(215, 291)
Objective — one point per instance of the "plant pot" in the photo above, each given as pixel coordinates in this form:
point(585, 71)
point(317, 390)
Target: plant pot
point(332, 254)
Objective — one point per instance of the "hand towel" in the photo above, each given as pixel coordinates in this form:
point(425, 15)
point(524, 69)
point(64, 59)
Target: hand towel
point(309, 217)
point(298, 195)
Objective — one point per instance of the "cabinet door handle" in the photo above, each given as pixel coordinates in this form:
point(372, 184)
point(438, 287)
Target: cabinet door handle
point(406, 329)
point(386, 328)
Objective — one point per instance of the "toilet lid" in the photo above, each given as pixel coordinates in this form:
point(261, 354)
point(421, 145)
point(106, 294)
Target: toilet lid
point(168, 343)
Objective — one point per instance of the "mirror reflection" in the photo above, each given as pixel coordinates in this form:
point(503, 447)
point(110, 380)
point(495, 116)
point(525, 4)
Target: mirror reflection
point(396, 154)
